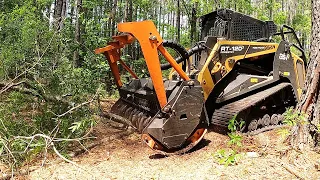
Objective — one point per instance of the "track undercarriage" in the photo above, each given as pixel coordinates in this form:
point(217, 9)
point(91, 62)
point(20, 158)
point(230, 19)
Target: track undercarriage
point(260, 111)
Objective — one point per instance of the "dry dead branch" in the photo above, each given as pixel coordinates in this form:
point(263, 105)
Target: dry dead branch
point(50, 139)
point(293, 171)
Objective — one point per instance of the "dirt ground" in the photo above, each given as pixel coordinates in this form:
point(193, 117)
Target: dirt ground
point(126, 157)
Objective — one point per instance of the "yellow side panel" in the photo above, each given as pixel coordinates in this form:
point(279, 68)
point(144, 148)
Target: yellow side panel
point(228, 66)
point(204, 76)
point(297, 59)
point(207, 83)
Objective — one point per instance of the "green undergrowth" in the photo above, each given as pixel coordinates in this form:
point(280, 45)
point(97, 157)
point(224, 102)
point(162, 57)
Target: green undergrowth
point(232, 155)
point(291, 118)
point(26, 120)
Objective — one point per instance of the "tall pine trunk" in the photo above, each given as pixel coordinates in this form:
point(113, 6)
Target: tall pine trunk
point(113, 17)
point(310, 101)
point(271, 9)
point(60, 9)
point(178, 21)
point(128, 18)
point(77, 37)
point(193, 30)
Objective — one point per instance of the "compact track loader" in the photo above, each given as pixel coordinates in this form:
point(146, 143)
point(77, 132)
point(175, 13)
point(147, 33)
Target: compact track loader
point(236, 71)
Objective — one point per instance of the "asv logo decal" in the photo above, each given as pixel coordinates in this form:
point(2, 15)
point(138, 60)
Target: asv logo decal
point(231, 49)
point(284, 56)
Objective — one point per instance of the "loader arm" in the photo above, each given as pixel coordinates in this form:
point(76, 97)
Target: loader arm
point(151, 42)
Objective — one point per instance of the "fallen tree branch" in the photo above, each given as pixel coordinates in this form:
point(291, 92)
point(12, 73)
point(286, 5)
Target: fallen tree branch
point(86, 149)
point(23, 172)
point(292, 171)
point(18, 87)
point(25, 87)
point(3, 84)
point(51, 140)
point(76, 107)
point(56, 128)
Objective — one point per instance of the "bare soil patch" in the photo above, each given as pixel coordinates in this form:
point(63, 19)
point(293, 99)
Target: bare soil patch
point(126, 157)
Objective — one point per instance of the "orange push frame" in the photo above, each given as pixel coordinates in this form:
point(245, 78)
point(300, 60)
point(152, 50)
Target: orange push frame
point(151, 42)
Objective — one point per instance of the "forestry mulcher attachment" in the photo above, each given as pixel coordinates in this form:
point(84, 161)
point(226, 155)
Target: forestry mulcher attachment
point(236, 71)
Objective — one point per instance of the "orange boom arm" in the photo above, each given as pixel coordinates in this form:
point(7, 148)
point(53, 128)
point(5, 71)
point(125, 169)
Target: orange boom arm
point(151, 42)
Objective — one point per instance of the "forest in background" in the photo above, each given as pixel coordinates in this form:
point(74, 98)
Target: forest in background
point(49, 74)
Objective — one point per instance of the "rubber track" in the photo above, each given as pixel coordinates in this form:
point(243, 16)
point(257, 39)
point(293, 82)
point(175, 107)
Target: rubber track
point(222, 115)
point(261, 130)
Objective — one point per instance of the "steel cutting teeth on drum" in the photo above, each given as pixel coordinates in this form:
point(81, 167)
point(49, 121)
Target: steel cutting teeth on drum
point(137, 117)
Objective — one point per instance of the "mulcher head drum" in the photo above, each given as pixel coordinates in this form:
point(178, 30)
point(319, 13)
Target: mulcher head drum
point(176, 128)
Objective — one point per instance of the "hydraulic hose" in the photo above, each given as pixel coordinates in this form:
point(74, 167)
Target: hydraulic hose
point(184, 54)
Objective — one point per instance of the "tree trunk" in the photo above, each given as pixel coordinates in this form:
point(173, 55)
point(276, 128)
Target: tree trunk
point(270, 9)
point(160, 18)
point(72, 8)
point(113, 17)
point(193, 30)
point(128, 18)
point(134, 45)
point(59, 13)
point(310, 101)
point(77, 37)
point(51, 15)
point(168, 23)
point(178, 21)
